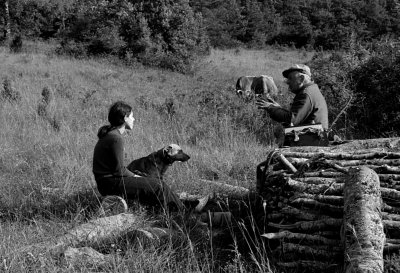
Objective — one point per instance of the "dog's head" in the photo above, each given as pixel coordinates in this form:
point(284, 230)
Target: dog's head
point(174, 153)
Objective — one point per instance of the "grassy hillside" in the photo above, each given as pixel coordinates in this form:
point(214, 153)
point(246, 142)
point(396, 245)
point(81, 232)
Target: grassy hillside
point(52, 148)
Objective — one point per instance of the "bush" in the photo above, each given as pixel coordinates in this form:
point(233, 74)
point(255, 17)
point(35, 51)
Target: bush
point(367, 81)
point(160, 33)
point(16, 44)
point(376, 85)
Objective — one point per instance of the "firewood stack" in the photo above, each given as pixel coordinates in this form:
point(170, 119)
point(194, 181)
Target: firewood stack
point(303, 191)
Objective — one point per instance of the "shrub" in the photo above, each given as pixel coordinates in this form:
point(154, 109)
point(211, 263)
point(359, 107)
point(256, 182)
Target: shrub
point(165, 33)
point(376, 84)
point(366, 80)
point(9, 93)
point(160, 33)
point(16, 44)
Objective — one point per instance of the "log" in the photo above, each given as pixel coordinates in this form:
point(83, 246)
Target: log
point(327, 174)
point(97, 232)
point(387, 208)
point(310, 226)
point(389, 177)
point(390, 217)
point(102, 231)
point(363, 235)
point(328, 199)
point(308, 215)
point(218, 188)
point(318, 206)
point(391, 247)
point(286, 163)
point(393, 194)
point(319, 180)
point(349, 163)
point(358, 146)
point(295, 251)
point(305, 239)
point(88, 258)
point(386, 169)
point(333, 189)
point(339, 176)
point(309, 266)
point(343, 156)
point(393, 241)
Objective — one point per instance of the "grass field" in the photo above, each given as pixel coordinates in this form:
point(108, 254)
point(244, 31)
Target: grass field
point(52, 148)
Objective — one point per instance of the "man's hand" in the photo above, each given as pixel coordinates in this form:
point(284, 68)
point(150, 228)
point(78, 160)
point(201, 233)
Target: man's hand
point(266, 103)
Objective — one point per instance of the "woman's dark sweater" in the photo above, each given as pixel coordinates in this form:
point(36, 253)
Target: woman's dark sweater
point(108, 157)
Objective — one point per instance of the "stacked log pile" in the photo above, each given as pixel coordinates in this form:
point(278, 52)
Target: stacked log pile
point(306, 191)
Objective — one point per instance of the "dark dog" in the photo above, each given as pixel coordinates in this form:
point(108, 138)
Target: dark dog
point(156, 164)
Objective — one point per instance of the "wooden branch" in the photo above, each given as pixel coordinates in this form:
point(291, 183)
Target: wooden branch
point(390, 193)
point(308, 252)
point(349, 163)
point(386, 169)
point(319, 180)
point(286, 163)
point(391, 247)
point(391, 224)
point(387, 208)
point(328, 199)
point(363, 234)
point(218, 188)
point(303, 215)
point(393, 241)
point(344, 156)
point(327, 174)
point(310, 226)
point(335, 189)
point(390, 216)
point(325, 208)
point(339, 176)
point(355, 146)
point(309, 266)
point(304, 238)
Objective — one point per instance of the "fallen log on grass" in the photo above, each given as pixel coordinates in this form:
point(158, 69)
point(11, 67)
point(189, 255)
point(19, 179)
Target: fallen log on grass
point(88, 258)
point(104, 231)
point(363, 234)
point(218, 188)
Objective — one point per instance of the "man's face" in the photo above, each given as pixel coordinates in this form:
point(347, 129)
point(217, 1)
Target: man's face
point(294, 81)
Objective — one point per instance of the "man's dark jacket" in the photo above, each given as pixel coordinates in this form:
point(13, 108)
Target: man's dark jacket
point(308, 105)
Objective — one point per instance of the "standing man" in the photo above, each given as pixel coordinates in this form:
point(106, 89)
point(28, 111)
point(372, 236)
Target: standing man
point(309, 105)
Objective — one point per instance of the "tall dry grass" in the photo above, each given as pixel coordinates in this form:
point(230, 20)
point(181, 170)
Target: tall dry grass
point(225, 137)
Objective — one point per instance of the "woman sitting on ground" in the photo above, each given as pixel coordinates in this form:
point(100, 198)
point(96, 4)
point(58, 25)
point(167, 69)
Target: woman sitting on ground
point(111, 175)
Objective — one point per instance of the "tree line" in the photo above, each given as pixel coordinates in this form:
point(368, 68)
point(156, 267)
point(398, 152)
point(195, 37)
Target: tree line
point(325, 24)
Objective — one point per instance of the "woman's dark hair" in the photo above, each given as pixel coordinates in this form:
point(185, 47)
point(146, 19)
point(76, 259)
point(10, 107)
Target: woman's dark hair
point(116, 116)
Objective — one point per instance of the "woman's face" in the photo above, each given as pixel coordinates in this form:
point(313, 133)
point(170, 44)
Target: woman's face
point(129, 121)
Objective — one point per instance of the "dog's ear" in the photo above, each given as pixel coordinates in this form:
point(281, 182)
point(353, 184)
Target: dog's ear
point(172, 149)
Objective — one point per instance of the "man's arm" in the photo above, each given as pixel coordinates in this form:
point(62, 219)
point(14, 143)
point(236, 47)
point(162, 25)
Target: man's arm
point(279, 114)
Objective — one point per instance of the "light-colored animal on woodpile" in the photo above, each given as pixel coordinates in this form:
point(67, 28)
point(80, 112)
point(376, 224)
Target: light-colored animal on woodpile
point(249, 86)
